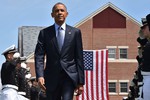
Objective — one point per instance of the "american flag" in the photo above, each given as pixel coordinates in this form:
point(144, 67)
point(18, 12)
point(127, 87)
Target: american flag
point(96, 78)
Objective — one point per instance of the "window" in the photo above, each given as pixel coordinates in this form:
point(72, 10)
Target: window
point(112, 53)
point(112, 87)
point(123, 53)
point(123, 87)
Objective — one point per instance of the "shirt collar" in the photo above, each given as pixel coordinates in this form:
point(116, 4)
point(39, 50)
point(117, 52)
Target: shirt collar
point(62, 26)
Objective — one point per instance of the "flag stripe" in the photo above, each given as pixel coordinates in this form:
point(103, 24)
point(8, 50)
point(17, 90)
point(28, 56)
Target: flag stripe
point(87, 92)
point(107, 75)
point(96, 75)
point(100, 79)
point(102, 75)
point(92, 89)
point(97, 69)
point(89, 82)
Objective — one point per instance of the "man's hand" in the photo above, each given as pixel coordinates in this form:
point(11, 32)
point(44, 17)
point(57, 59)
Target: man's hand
point(41, 83)
point(79, 90)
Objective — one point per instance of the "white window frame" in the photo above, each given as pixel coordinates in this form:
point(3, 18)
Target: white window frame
point(111, 47)
point(123, 81)
point(112, 81)
point(123, 47)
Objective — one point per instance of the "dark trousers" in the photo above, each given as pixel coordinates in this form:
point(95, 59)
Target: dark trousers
point(64, 90)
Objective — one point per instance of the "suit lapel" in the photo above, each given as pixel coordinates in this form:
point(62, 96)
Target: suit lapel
point(54, 39)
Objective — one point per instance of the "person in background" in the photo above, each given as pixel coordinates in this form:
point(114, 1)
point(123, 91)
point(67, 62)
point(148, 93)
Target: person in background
point(61, 44)
point(9, 75)
point(23, 76)
point(145, 63)
point(37, 93)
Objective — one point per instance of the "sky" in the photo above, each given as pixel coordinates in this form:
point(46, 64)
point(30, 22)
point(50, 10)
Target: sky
point(17, 13)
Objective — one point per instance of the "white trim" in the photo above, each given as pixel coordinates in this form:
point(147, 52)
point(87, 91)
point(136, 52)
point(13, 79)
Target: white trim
point(124, 98)
point(123, 81)
point(113, 93)
point(22, 93)
point(111, 58)
point(122, 60)
point(123, 93)
point(111, 47)
point(112, 81)
point(10, 86)
point(123, 47)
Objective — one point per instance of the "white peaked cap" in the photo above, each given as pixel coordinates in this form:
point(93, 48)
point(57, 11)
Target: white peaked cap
point(9, 50)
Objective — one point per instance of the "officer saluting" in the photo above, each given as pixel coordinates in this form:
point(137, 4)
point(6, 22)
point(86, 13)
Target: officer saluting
point(9, 75)
point(23, 77)
point(145, 64)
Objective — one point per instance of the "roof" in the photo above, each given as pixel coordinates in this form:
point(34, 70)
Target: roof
point(109, 4)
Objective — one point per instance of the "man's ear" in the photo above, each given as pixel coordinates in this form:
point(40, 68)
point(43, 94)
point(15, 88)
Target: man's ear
point(67, 13)
point(52, 15)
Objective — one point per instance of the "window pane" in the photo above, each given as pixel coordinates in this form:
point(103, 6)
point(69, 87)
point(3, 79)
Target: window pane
point(123, 84)
point(124, 90)
point(111, 56)
point(123, 87)
point(112, 53)
point(112, 84)
point(111, 50)
point(123, 50)
point(112, 87)
point(123, 53)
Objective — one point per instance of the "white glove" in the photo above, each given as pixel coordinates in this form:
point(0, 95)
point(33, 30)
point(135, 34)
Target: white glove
point(16, 55)
point(28, 76)
point(23, 65)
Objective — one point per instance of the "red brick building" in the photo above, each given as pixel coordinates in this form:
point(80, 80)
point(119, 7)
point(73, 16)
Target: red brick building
point(111, 28)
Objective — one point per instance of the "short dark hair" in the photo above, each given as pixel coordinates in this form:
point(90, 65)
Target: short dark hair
point(58, 4)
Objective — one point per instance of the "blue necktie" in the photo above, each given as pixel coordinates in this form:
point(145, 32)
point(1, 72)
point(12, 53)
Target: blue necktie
point(60, 38)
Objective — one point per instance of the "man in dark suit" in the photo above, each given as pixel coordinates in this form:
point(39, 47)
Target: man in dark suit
point(61, 44)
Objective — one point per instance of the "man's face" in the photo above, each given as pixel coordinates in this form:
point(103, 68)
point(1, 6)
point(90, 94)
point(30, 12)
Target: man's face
point(10, 56)
point(146, 31)
point(59, 14)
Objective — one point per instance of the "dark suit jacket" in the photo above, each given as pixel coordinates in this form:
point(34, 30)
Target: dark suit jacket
point(146, 58)
point(9, 73)
point(69, 59)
